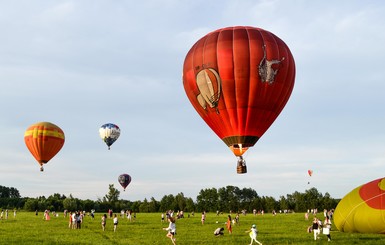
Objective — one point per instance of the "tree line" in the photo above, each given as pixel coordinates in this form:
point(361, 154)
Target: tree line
point(223, 199)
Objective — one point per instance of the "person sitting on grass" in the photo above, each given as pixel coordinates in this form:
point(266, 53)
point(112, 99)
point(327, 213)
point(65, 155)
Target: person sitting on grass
point(219, 231)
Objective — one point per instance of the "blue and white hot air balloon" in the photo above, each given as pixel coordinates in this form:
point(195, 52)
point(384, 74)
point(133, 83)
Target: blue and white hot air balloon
point(109, 133)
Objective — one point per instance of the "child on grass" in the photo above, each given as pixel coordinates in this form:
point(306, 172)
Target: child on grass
point(253, 234)
point(171, 229)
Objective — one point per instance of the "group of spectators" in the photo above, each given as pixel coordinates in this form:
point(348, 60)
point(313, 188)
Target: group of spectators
point(318, 226)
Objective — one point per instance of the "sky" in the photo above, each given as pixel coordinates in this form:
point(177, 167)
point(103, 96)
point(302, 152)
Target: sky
point(81, 64)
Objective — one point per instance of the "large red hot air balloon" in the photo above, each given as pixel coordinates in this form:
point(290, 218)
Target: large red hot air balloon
point(239, 79)
point(44, 140)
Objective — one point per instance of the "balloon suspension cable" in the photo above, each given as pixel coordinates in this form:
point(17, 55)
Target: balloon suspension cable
point(241, 165)
point(41, 169)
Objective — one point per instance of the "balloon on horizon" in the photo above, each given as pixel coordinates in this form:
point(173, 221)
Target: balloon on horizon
point(44, 140)
point(239, 79)
point(363, 209)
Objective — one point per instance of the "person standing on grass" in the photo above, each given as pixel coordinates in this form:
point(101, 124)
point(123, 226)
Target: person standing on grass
point(203, 218)
point(171, 229)
point(79, 220)
point(70, 221)
point(104, 220)
point(228, 224)
point(326, 229)
point(115, 222)
point(316, 228)
point(253, 232)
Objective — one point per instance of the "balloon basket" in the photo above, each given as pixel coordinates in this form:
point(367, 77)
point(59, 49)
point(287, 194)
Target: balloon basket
point(241, 167)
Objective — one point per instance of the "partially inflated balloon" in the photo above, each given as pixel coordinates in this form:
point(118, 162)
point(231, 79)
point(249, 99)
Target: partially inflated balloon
point(363, 209)
point(44, 140)
point(239, 79)
point(109, 133)
point(124, 180)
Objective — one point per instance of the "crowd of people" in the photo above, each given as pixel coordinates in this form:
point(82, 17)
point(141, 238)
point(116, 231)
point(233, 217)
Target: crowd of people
point(76, 218)
point(318, 226)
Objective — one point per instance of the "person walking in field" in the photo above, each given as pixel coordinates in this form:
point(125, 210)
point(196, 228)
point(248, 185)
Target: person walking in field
point(171, 229)
point(316, 228)
point(115, 222)
point(228, 224)
point(326, 228)
point(253, 232)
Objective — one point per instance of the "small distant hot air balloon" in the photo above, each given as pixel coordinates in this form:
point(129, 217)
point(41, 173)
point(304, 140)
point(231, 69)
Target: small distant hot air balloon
point(310, 172)
point(124, 180)
point(239, 79)
point(44, 140)
point(109, 133)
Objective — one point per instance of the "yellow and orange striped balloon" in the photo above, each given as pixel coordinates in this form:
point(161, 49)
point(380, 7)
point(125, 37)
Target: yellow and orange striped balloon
point(44, 140)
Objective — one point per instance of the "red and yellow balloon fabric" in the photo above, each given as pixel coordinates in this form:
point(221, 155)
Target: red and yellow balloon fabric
point(239, 79)
point(363, 209)
point(44, 140)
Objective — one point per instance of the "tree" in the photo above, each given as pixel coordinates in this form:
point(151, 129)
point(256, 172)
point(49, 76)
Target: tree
point(180, 201)
point(246, 196)
point(207, 200)
point(112, 196)
point(229, 198)
point(190, 206)
point(31, 204)
point(143, 208)
point(55, 202)
point(70, 203)
point(153, 205)
point(9, 192)
point(166, 203)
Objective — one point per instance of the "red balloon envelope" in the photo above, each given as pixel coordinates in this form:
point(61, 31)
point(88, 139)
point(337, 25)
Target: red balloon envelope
point(44, 140)
point(239, 79)
point(124, 180)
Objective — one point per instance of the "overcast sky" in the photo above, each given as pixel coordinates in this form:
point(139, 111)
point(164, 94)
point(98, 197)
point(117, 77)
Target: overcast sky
point(81, 64)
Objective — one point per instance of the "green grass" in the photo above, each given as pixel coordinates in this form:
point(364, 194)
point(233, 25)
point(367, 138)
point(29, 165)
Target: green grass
point(147, 229)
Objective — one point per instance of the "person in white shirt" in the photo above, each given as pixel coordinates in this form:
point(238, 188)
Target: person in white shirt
point(115, 222)
point(253, 234)
point(171, 229)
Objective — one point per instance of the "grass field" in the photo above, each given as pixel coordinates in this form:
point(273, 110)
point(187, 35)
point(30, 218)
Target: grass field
point(27, 228)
